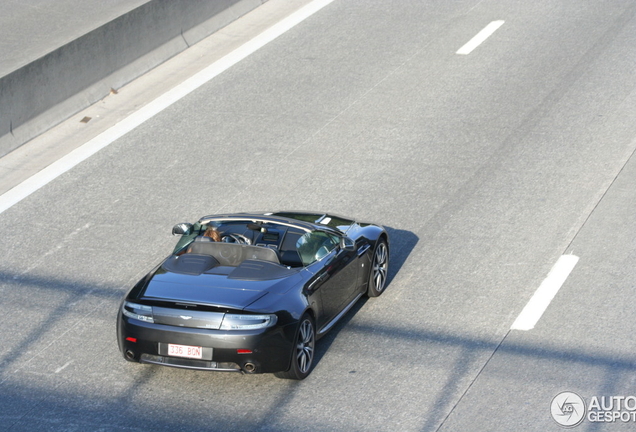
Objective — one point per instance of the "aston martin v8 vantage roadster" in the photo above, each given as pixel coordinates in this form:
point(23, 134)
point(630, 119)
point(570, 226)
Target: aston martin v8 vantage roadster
point(252, 292)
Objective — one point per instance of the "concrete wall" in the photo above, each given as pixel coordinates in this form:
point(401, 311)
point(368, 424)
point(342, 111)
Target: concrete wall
point(47, 91)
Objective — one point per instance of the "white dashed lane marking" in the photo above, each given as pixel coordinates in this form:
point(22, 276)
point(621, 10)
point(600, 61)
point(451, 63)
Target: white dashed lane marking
point(480, 38)
point(542, 297)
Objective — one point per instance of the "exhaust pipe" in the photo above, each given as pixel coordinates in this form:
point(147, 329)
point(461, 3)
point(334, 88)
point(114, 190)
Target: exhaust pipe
point(249, 367)
point(130, 355)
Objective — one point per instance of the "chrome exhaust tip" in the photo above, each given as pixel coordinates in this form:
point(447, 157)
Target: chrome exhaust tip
point(130, 355)
point(249, 367)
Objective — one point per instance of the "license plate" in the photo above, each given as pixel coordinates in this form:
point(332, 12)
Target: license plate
point(185, 351)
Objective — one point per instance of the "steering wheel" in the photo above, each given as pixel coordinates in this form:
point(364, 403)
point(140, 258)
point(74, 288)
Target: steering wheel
point(230, 255)
point(236, 238)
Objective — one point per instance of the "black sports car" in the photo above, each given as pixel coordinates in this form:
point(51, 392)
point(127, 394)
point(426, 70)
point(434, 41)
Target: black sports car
point(252, 292)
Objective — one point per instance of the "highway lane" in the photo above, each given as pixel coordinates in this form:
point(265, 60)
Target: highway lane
point(484, 166)
point(584, 342)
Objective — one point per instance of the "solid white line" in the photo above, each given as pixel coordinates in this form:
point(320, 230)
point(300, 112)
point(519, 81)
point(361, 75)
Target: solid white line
point(62, 165)
point(480, 37)
point(542, 297)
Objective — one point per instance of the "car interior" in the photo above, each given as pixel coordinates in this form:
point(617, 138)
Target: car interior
point(240, 241)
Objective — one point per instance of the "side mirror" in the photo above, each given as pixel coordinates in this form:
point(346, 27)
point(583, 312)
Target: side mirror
point(347, 244)
point(182, 229)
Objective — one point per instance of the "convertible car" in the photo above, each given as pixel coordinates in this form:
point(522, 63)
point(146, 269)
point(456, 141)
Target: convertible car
point(252, 292)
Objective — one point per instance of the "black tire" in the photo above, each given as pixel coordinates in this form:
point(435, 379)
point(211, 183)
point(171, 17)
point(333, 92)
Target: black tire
point(379, 271)
point(303, 353)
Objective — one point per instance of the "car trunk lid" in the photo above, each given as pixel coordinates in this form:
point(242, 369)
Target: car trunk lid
point(209, 289)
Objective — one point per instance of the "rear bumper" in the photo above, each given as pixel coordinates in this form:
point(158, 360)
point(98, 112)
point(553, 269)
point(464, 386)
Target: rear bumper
point(261, 351)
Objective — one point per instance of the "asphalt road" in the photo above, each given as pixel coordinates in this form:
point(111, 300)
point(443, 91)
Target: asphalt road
point(485, 167)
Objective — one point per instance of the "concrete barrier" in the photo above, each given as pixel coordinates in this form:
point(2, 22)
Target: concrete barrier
point(49, 90)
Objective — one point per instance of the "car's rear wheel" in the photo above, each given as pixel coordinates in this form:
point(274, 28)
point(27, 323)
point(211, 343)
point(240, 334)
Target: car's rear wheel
point(303, 353)
point(379, 269)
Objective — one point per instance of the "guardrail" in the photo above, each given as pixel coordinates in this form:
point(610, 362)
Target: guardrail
point(52, 88)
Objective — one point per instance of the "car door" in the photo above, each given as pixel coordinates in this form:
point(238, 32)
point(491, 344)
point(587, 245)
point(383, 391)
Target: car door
point(335, 279)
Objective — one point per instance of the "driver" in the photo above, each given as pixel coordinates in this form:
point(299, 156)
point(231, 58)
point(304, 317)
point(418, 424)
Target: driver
point(212, 233)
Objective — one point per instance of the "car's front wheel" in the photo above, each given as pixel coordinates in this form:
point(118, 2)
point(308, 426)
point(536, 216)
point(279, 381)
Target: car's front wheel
point(303, 352)
point(379, 269)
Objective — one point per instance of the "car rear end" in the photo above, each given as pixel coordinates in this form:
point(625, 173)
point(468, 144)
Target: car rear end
point(204, 338)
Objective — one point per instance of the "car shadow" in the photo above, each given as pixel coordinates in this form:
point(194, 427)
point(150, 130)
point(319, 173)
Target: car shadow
point(401, 244)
